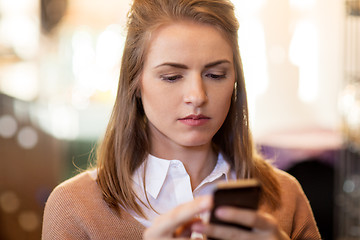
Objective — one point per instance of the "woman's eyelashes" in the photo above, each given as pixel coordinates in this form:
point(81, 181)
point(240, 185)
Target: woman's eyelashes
point(216, 76)
point(176, 77)
point(170, 78)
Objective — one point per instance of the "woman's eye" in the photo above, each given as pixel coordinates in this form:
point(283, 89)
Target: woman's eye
point(215, 76)
point(170, 78)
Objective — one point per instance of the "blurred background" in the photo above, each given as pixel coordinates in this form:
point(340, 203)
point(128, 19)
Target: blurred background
point(59, 65)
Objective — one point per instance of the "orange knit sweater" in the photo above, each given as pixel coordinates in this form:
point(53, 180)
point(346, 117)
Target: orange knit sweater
point(76, 210)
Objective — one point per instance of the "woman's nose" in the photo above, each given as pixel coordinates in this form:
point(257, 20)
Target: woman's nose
point(195, 93)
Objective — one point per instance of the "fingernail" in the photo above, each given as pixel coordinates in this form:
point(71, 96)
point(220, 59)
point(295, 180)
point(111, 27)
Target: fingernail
point(220, 212)
point(198, 227)
point(196, 235)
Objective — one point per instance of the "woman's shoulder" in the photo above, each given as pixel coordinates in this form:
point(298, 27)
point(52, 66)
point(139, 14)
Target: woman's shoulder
point(287, 181)
point(295, 215)
point(291, 192)
point(76, 210)
point(68, 204)
point(85, 177)
point(75, 190)
point(80, 183)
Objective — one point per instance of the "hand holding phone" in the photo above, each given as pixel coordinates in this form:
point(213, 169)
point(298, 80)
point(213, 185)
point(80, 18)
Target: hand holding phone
point(243, 193)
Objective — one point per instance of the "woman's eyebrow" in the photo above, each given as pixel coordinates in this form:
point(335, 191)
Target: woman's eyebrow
point(175, 65)
point(182, 66)
point(209, 65)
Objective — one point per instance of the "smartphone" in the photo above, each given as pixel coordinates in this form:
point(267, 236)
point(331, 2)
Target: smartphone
point(244, 193)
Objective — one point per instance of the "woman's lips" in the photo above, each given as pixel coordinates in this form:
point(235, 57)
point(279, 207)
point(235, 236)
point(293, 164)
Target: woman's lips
point(194, 120)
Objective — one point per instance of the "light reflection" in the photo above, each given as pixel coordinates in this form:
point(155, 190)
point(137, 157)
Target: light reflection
point(58, 120)
point(83, 60)
point(17, 6)
point(349, 105)
point(109, 48)
point(64, 122)
point(19, 26)
point(303, 53)
point(247, 8)
point(20, 80)
point(28, 221)
point(302, 4)
point(348, 98)
point(27, 138)
point(20, 33)
point(9, 202)
point(253, 51)
point(277, 54)
point(349, 186)
point(79, 100)
point(96, 62)
point(8, 126)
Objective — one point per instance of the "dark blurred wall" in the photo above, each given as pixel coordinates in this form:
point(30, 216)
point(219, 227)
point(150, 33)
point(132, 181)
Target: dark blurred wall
point(30, 167)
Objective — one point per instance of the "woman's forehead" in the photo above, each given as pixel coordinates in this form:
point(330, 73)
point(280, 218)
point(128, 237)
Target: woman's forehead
point(181, 40)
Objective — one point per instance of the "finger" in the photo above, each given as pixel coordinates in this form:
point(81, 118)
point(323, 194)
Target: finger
point(166, 224)
point(223, 232)
point(166, 238)
point(184, 213)
point(249, 218)
point(185, 229)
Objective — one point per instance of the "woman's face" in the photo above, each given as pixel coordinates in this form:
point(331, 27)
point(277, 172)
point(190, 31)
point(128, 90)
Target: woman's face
point(186, 85)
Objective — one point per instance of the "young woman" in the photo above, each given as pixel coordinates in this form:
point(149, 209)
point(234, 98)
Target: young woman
point(179, 125)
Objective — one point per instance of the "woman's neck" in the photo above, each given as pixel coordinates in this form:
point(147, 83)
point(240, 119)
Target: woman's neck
point(200, 166)
point(198, 161)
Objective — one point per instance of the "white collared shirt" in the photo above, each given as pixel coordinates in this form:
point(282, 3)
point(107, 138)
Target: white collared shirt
point(168, 185)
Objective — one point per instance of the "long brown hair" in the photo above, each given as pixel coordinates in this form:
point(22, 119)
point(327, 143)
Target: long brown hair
point(126, 143)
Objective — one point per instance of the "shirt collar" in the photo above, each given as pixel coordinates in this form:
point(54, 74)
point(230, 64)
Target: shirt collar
point(157, 170)
point(222, 168)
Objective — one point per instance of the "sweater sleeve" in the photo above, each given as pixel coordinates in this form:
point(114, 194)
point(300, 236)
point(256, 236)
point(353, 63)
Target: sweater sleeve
point(304, 225)
point(60, 218)
point(76, 210)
